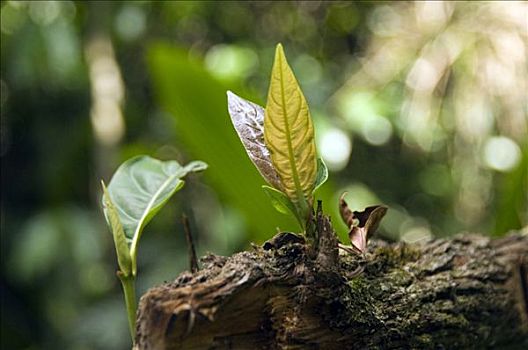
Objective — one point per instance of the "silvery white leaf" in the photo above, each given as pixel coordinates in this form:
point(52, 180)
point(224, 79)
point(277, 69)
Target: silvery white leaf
point(248, 119)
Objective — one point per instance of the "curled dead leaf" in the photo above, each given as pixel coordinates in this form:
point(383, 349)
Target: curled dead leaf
point(362, 224)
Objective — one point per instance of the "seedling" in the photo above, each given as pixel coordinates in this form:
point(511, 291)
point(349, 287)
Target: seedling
point(280, 141)
point(140, 187)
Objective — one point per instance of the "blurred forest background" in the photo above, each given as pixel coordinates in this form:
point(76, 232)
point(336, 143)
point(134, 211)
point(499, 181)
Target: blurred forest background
point(420, 106)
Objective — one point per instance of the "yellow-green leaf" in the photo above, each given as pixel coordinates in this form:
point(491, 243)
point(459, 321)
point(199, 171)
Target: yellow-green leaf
point(289, 133)
point(123, 254)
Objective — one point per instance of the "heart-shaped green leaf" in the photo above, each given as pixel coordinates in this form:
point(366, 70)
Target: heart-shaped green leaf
point(322, 174)
point(139, 189)
point(282, 203)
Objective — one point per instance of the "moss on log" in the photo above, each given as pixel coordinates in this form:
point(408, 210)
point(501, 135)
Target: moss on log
point(468, 292)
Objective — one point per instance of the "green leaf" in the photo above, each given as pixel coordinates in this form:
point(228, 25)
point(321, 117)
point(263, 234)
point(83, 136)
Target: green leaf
point(281, 202)
point(120, 242)
point(289, 134)
point(322, 174)
point(139, 189)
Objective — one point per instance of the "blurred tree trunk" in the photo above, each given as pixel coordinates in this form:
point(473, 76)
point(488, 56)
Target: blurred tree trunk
point(107, 91)
point(468, 292)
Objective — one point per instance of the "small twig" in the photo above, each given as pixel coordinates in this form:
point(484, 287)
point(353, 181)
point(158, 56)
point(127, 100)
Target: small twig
point(193, 261)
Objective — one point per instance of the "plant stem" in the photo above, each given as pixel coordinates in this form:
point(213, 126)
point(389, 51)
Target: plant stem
point(129, 290)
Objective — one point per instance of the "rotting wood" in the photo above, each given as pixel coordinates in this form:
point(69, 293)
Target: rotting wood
point(461, 293)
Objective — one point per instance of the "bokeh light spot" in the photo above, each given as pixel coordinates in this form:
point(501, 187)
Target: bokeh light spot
point(44, 12)
point(230, 62)
point(308, 69)
point(130, 22)
point(501, 153)
point(335, 148)
point(376, 130)
point(436, 179)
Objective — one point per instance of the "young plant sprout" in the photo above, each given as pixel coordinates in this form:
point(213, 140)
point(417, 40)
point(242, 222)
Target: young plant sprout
point(280, 141)
point(140, 187)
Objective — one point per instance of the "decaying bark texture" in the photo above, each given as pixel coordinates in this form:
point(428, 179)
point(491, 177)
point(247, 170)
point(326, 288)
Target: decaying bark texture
point(468, 292)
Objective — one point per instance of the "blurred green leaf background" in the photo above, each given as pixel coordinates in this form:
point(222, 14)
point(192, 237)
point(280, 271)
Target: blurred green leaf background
point(421, 106)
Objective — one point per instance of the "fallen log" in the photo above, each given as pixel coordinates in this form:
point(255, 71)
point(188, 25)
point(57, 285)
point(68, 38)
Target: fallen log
point(467, 292)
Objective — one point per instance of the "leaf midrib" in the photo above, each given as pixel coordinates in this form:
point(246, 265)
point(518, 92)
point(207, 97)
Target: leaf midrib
point(135, 237)
point(295, 174)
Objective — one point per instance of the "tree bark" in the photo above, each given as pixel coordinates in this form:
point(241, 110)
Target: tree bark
point(468, 292)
